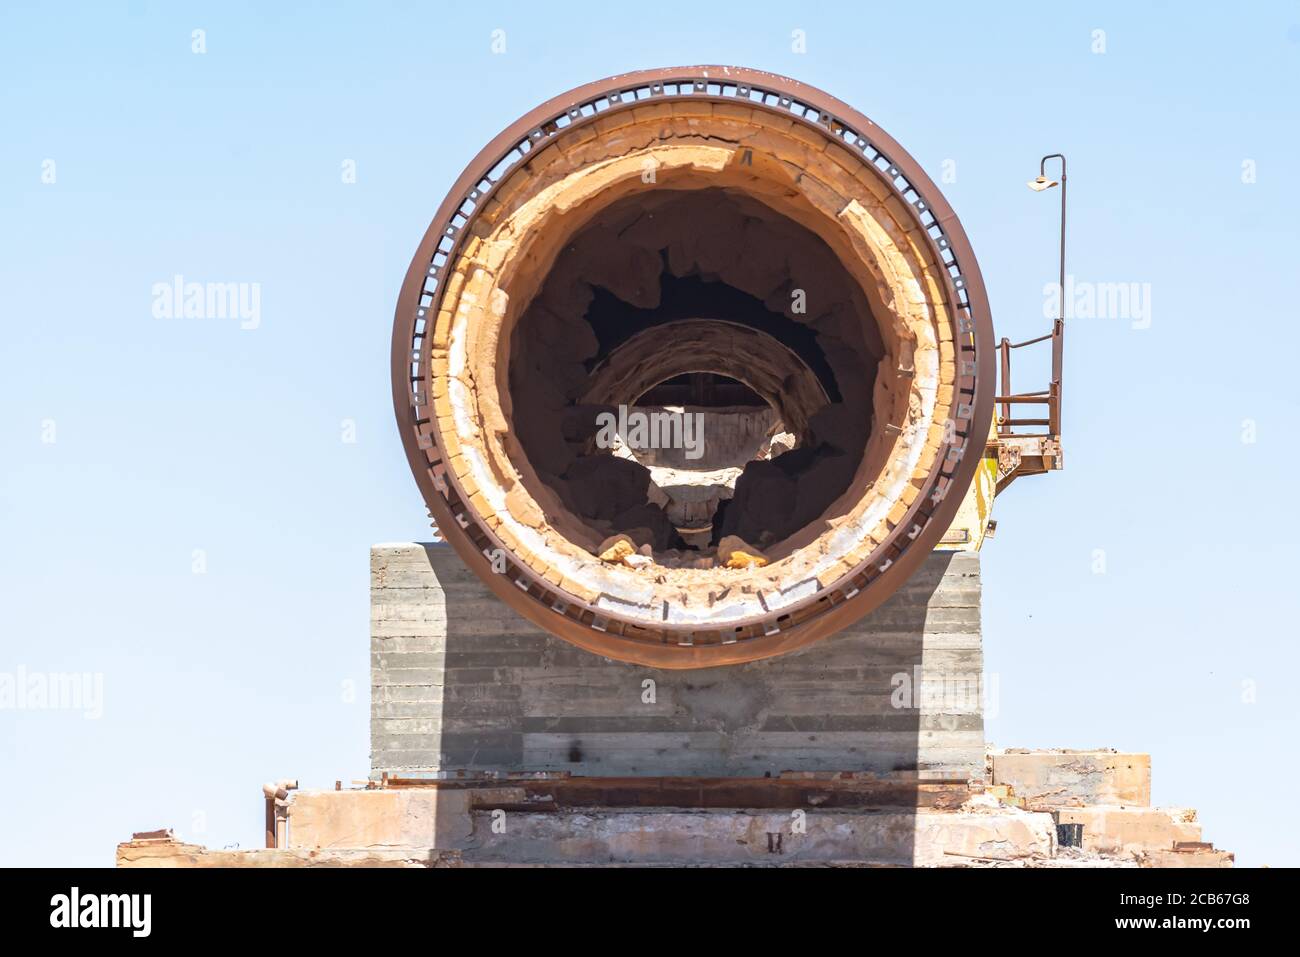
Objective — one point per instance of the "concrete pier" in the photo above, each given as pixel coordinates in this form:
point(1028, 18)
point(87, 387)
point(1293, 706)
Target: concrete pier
point(461, 682)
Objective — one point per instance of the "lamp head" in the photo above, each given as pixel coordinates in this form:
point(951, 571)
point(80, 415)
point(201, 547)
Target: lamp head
point(1041, 183)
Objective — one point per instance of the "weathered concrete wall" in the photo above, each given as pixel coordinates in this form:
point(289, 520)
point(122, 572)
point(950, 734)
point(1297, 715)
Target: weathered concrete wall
point(460, 681)
point(533, 823)
point(1066, 778)
point(425, 819)
point(177, 854)
point(390, 828)
point(1123, 831)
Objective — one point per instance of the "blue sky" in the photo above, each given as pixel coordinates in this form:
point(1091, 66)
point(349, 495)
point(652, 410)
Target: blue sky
point(177, 437)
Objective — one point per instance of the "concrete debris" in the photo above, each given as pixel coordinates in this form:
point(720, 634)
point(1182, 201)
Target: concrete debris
point(735, 552)
point(616, 548)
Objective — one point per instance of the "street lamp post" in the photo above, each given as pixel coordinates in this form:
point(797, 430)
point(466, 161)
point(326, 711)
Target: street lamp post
point(1058, 332)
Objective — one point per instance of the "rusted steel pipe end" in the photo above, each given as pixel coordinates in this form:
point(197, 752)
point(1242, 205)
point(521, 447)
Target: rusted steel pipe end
point(743, 261)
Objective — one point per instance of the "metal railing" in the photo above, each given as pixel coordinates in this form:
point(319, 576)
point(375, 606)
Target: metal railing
point(1049, 397)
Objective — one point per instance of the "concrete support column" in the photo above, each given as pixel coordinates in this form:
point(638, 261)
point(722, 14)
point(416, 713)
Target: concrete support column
point(462, 682)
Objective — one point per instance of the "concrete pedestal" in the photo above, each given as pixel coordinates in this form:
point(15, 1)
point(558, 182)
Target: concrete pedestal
point(460, 682)
point(496, 745)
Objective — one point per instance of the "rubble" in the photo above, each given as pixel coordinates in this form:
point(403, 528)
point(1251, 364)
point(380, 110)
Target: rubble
point(735, 552)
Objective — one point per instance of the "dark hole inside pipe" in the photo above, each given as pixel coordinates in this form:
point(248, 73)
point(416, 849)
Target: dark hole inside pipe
point(627, 280)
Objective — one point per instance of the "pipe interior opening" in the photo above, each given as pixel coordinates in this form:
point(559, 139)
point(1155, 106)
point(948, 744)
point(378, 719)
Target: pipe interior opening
point(694, 366)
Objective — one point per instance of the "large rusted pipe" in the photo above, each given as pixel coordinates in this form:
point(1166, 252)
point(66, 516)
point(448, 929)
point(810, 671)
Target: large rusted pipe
point(661, 224)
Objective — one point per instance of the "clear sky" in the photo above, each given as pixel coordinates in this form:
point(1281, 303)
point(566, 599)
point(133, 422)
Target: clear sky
point(183, 515)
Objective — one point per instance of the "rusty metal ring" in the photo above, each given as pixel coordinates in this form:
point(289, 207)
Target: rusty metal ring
point(802, 622)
